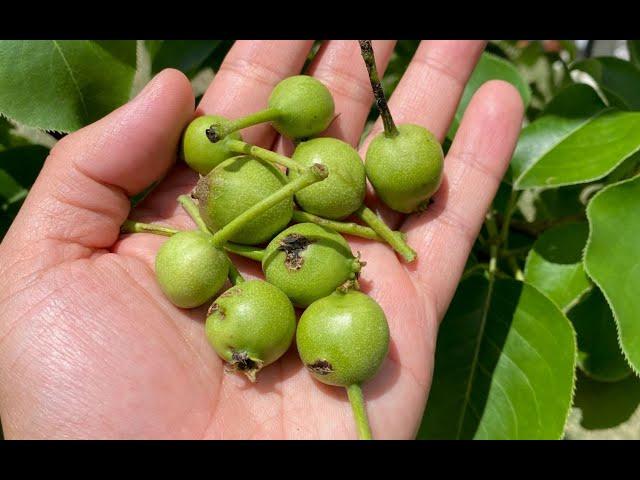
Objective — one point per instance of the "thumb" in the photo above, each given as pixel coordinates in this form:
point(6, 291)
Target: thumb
point(81, 196)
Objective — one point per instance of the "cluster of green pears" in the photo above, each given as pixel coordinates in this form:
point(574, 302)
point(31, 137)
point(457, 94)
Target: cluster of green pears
point(288, 213)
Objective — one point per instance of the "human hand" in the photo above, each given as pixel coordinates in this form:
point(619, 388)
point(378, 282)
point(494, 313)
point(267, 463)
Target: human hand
point(91, 348)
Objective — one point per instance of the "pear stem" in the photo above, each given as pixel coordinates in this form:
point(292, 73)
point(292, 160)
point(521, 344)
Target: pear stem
point(235, 277)
point(192, 210)
point(366, 50)
point(131, 226)
point(239, 146)
point(359, 412)
point(246, 251)
point(349, 228)
point(394, 239)
point(218, 130)
point(313, 174)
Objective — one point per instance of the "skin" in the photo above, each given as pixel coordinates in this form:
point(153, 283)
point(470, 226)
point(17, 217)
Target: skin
point(91, 348)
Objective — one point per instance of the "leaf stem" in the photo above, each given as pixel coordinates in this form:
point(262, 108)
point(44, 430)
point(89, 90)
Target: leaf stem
point(511, 206)
point(516, 268)
point(313, 174)
point(473, 269)
point(366, 50)
point(393, 238)
point(492, 228)
point(481, 240)
point(356, 399)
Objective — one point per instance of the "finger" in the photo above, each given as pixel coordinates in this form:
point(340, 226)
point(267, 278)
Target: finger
point(428, 93)
point(340, 67)
point(430, 89)
point(480, 153)
point(81, 194)
point(246, 77)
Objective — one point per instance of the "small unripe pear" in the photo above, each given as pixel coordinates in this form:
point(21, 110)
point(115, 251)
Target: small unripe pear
point(343, 339)
point(190, 269)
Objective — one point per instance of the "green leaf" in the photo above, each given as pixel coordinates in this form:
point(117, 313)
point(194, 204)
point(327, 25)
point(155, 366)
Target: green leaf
point(489, 67)
point(606, 405)
point(617, 78)
point(627, 169)
point(19, 167)
point(536, 69)
point(5, 132)
point(504, 366)
point(570, 110)
point(555, 203)
point(570, 47)
point(63, 85)
point(8, 138)
point(120, 50)
point(575, 141)
point(7, 213)
point(634, 51)
point(23, 163)
point(184, 55)
point(219, 54)
point(612, 258)
point(153, 46)
point(554, 264)
point(10, 190)
point(599, 354)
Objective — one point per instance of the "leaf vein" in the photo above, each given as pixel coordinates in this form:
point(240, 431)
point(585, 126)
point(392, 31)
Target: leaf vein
point(73, 79)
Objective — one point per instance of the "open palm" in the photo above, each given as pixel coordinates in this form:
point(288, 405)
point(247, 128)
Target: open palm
point(90, 347)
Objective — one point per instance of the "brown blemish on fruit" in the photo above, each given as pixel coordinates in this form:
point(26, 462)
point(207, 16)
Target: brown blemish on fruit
point(358, 263)
point(241, 361)
point(232, 292)
point(351, 284)
point(215, 308)
point(321, 367)
point(293, 245)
